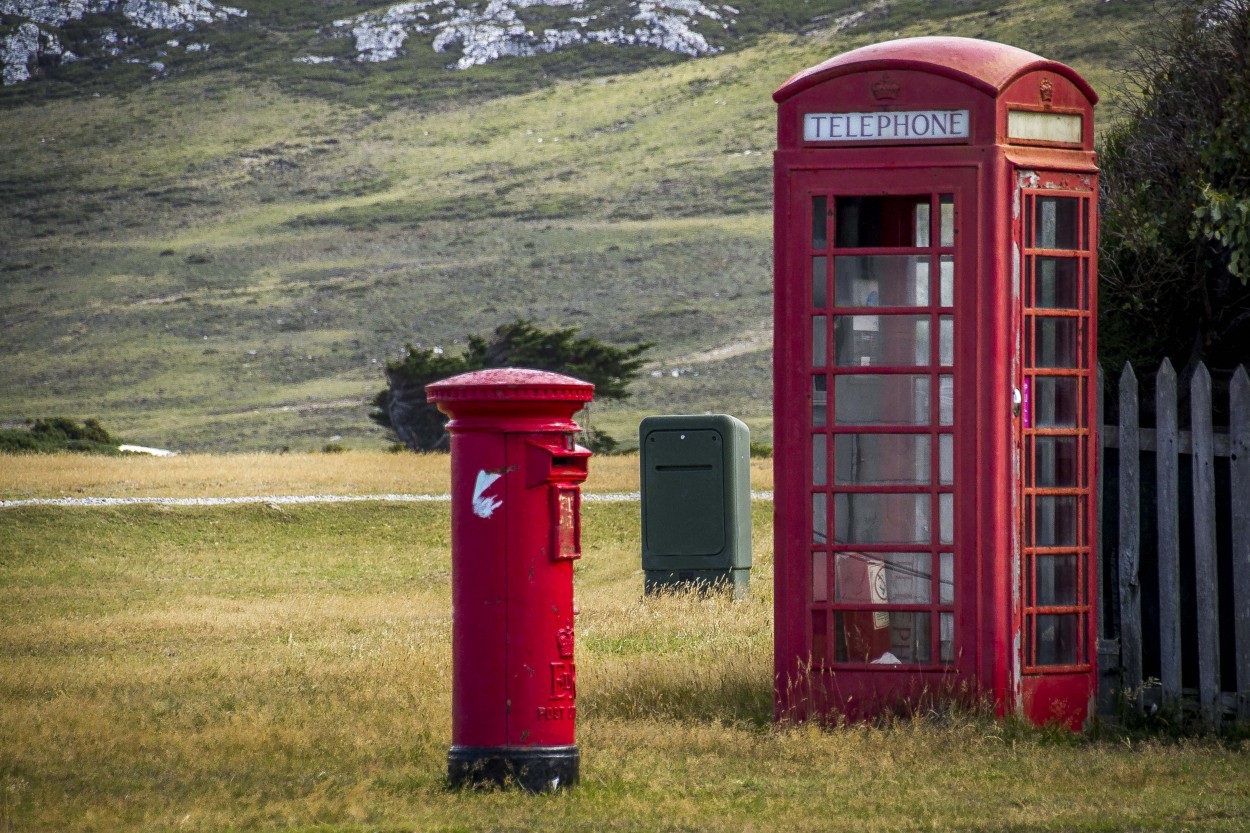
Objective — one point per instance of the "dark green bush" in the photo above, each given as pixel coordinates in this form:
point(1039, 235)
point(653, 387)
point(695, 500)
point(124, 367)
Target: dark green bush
point(56, 434)
point(403, 410)
point(1174, 256)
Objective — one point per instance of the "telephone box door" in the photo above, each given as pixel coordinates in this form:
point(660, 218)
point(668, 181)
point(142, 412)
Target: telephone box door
point(874, 389)
point(1056, 319)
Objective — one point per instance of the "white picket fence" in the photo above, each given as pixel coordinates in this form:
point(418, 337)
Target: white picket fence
point(1142, 605)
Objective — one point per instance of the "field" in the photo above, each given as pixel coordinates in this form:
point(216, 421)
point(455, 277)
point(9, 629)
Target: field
point(288, 668)
point(224, 259)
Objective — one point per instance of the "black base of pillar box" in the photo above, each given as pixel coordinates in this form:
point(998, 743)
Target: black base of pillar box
point(535, 769)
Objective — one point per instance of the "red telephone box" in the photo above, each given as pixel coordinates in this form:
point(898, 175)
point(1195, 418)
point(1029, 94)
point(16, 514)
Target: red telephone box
point(936, 226)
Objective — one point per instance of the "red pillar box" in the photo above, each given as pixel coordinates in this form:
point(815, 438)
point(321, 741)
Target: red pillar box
point(935, 441)
point(515, 531)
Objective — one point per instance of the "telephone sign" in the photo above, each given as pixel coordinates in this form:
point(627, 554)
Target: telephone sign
point(936, 229)
point(885, 126)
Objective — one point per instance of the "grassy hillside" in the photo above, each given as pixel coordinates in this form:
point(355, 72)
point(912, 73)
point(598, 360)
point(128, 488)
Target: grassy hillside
point(224, 259)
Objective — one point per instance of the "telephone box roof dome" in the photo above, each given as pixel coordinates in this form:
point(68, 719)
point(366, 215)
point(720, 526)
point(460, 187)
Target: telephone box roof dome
point(987, 66)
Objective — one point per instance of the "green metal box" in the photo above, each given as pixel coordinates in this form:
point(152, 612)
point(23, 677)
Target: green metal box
point(696, 501)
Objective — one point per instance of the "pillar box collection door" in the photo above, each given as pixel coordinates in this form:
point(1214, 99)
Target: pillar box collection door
point(935, 231)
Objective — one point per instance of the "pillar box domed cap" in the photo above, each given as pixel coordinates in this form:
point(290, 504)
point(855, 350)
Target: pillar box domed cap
point(510, 399)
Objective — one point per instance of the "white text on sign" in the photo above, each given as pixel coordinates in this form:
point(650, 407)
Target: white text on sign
point(887, 126)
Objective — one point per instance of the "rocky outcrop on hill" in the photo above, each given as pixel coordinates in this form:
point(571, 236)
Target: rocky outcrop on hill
point(514, 28)
point(31, 33)
point(37, 34)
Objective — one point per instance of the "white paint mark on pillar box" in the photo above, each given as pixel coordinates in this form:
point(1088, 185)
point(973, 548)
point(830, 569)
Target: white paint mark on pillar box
point(484, 506)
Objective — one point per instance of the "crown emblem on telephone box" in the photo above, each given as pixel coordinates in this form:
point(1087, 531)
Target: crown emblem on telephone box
point(885, 88)
point(1046, 92)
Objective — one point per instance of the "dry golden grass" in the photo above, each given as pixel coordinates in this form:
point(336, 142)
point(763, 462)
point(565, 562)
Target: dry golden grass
point(27, 476)
point(207, 475)
point(263, 668)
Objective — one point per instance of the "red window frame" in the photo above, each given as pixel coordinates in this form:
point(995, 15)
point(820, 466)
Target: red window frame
point(823, 365)
point(1052, 487)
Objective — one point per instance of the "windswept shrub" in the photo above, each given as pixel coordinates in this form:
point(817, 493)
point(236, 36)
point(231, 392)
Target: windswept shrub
point(403, 410)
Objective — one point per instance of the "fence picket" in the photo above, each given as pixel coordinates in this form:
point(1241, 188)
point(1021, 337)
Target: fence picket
point(1105, 620)
point(1130, 539)
point(1239, 464)
point(1205, 576)
point(1167, 463)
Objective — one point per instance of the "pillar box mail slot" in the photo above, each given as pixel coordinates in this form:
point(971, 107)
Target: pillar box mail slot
point(696, 500)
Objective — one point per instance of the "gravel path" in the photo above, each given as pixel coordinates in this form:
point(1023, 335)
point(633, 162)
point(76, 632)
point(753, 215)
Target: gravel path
point(284, 500)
